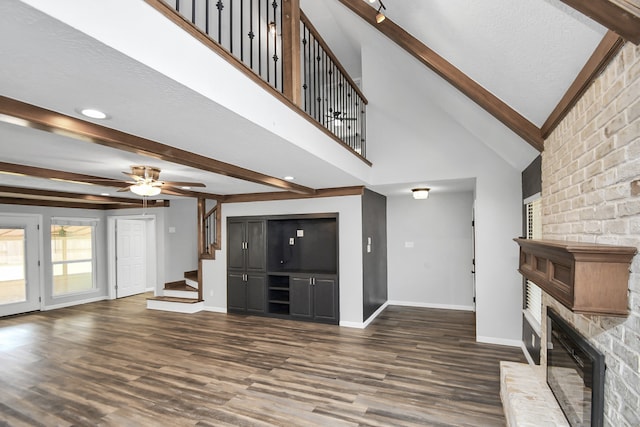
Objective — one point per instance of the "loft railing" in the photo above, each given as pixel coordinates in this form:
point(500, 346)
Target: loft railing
point(329, 95)
point(289, 55)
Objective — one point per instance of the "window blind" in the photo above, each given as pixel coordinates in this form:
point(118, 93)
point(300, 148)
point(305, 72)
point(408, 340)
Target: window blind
point(534, 231)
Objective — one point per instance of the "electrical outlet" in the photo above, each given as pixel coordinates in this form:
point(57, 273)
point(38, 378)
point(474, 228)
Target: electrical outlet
point(299, 233)
point(292, 241)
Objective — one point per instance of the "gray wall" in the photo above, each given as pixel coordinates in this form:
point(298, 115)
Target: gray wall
point(181, 231)
point(430, 250)
point(374, 256)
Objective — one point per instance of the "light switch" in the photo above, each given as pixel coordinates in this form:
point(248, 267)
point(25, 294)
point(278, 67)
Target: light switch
point(408, 244)
point(368, 248)
point(292, 241)
point(172, 229)
point(300, 233)
point(368, 240)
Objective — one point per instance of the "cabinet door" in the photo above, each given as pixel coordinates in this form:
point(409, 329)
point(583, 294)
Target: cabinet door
point(300, 297)
point(256, 258)
point(256, 293)
point(235, 244)
point(324, 300)
point(236, 292)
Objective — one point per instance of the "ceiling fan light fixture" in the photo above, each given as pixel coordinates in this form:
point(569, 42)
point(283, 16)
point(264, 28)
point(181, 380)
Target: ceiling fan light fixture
point(145, 190)
point(420, 193)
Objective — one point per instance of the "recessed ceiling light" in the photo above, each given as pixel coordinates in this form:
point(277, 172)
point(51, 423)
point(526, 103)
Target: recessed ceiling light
point(93, 113)
point(105, 194)
point(186, 188)
point(288, 178)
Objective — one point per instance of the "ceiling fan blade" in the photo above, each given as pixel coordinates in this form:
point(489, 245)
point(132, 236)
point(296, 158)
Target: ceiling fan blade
point(134, 176)
point(184, 184)
point(122, 190)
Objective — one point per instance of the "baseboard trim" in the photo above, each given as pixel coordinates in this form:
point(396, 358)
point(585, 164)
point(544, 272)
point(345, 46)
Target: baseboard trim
point(432, 305)
point(499, 341)
point(215, 309)
point(376, 314)
point(72, 303)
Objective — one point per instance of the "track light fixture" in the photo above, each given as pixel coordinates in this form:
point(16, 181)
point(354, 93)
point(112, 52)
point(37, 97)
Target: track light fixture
point(380, 16)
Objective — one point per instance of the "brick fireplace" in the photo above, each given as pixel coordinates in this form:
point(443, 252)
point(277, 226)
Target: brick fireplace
point(591, 193)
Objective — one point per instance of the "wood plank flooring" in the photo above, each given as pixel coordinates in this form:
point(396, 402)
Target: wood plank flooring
point(115, 363)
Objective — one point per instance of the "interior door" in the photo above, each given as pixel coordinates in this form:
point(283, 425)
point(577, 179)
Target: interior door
point(19, 269)
point(131, 265)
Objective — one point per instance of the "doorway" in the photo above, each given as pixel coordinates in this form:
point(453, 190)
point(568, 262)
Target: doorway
point(20, 243)
point(132, 255)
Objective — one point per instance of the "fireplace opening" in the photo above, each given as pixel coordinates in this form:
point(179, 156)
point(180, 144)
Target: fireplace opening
point(575, 373)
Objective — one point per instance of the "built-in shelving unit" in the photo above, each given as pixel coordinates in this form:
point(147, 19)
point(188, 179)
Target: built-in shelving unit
point(586, 278)
point(284, 266)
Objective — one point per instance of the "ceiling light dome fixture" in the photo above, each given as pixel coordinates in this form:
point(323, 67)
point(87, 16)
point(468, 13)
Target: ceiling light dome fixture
point(420, 193)
point(145, 189)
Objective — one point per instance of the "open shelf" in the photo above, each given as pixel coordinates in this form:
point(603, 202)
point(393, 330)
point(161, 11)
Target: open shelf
point(278, 294)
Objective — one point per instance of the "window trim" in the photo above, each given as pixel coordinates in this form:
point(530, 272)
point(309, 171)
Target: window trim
point(534, 319)
point(93, 223)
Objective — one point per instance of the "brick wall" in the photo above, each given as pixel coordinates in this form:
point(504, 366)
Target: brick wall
point(591, 193)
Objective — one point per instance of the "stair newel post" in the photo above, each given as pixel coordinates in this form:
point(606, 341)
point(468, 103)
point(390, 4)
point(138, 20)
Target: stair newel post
point(291, 80)
point(202, 206)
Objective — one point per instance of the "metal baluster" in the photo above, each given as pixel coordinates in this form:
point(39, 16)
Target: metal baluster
point(177, 5)
point(231, 26)
point(220, 6)
point(193, 11)
point(268, 35)
point(304, 65)
point(206, 19)
point(260, 38)
point(251, 34)
point(275, 44)
point(241, 30)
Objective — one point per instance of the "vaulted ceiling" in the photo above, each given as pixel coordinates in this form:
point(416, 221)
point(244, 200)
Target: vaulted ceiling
point(526, 54)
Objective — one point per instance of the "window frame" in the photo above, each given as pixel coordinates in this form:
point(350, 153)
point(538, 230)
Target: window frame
point(87, 222)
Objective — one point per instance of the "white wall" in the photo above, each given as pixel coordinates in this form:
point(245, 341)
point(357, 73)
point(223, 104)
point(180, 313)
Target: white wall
point(181, 228)
point(430, 250)
point(349, 209)
point(412, 140)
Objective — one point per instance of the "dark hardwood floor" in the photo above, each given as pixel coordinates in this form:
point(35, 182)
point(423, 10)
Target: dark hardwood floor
point(116, 363)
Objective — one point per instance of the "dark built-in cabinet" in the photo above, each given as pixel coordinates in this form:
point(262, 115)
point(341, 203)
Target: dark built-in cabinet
point(246, 265)
point(284, 266)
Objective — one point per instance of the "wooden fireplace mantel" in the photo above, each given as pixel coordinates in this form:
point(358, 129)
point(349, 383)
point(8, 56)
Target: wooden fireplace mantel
point(586, 278)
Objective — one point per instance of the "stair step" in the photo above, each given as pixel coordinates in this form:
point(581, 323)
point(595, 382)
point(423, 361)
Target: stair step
point(180, 285)
point(175, 304)
point(175, 299)
point(191, 275)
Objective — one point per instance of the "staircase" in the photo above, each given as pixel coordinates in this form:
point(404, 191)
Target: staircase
point(180, 296)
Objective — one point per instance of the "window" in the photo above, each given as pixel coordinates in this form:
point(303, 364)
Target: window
point(13, 283)
point(73, 255)
point(533, 305)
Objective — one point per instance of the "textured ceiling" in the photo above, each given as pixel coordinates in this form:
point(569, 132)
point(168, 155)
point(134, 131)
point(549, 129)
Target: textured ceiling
point(527, 53)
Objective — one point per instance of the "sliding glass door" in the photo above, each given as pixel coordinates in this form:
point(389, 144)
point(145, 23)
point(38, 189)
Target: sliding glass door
point(19, 272)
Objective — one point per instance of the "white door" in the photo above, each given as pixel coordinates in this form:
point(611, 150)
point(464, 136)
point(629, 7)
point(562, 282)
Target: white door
point(19, 269)
point(131, 265)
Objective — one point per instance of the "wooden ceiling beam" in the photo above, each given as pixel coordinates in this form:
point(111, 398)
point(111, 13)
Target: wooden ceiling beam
point(599, 60)
point(87, 198)
point(288, 195)
point(37, 172)
point(485, 99)
point(20, 113)
point(620, 16)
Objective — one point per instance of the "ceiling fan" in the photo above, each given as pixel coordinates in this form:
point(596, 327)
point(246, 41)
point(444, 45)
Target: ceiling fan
point(146, 182)
point(337, 118)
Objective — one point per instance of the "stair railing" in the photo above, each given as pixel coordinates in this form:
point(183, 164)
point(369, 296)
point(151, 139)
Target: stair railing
point(277, 42)
point(209, 228)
